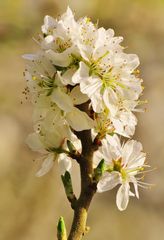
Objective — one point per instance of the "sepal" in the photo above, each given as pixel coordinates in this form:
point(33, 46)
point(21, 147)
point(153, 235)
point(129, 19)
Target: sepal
point(71, 147)
point(99, 170)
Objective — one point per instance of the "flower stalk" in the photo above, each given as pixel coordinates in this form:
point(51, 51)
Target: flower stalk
point(88, 188)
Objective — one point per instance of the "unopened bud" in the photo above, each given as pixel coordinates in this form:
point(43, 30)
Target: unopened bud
point(99, 170)
point(61, 230)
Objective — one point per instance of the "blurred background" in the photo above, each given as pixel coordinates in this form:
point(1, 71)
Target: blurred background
point(30, 206)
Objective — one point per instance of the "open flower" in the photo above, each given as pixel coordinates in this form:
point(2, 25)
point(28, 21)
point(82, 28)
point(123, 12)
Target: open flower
point(105, 73)
point(120, 119)
point(46, 87)
point(67, 102)
point(49, 139)
point(123, 164)
point(59, 37)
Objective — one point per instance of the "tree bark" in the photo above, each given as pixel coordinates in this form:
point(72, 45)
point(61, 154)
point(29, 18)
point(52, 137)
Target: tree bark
point(88, 186)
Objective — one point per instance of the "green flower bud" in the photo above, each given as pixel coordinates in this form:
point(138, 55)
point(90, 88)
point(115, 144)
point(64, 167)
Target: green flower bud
point(61, 229)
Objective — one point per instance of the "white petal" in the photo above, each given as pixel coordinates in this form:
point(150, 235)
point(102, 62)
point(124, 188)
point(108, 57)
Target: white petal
point(66, 78)
point(92, 87)
point(65, 163)
point(30, 57)
point(131, 194)
point(111, 101)
point(98, 156)
point(114, 141)
point(63, 100)
point(53, 118)
point(39, 113)
point(68, 20)
point(49, 24)
point(124, 123)
point(33, 141)
point(68, 13)
point(133, 154)
point(110, 33)
point(133, 62)
point(122, 197)
point(54, 138)
point(108, 182)
point(79, 120)
point(106, 151)
point(101, 35)
point(76, 142)
point(82, 72)
point(46, 165)
point(60, 59)
point(119, 127)
point(77, 96)
point(127, 151)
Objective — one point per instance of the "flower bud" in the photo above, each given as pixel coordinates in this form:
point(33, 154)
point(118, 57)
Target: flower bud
point(61, 230)
point(98, 172)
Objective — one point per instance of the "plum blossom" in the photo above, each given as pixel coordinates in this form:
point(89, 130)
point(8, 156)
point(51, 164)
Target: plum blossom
point(46, 86)
point(82, 79)
point(123, 165)
point(49, 139)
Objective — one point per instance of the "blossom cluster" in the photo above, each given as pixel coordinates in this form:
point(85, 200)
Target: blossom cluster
point(80, 64)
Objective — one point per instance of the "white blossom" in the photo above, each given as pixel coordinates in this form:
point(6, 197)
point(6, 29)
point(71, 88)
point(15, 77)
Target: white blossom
point(123, 165)
point(43, 80)
point(50, 136)
point(81, 66)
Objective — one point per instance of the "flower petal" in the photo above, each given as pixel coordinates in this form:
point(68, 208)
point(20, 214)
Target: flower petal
point(111, 101)
point(33, 141)
point(49, 24)
point(46, 165)
point(82, 72)
point(92, 87)
point(77, 96)
point(66, 78)
point(79, 120)
point(122, 197)
point(108, 182)
point(133, 155)
point(63, 100)
point(65, 163)
point(60, 59)
point(133, 61)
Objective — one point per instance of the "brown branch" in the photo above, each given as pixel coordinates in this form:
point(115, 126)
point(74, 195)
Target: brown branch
point(88, 186)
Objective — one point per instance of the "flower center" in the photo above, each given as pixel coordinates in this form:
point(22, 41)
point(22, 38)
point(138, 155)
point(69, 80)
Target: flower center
point(103, 70)
point(63, 45)
point(117, 165)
